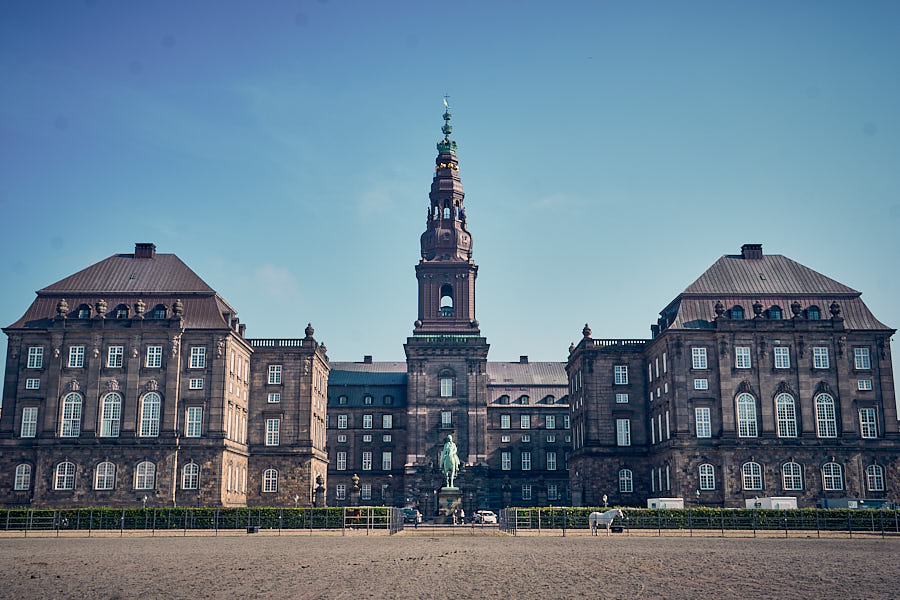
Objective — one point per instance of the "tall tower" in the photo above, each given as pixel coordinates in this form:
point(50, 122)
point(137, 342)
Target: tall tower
point(446, 272)
point(446, 356)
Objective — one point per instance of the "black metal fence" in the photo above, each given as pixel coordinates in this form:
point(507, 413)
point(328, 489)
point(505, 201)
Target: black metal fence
point(707, 521)
point(210, 520)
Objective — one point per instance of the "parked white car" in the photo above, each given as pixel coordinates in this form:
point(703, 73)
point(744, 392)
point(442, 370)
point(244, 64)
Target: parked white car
point(485, 516)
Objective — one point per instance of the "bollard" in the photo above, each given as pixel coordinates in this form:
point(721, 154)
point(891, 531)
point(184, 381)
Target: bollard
point(122, 524)
point(344, 521)
point(818, 533)
point(90, 522)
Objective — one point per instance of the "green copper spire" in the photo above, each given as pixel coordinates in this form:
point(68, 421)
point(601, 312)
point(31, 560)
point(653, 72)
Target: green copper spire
point(446, 144)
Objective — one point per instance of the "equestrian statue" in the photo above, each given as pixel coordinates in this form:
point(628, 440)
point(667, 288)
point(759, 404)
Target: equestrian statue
point(449, 462)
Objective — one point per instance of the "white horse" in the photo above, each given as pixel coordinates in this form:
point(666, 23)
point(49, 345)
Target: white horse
point(597, 519)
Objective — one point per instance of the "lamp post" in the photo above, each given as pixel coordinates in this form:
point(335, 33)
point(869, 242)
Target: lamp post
point(296, 500)
point(604, 500)
point(698, 497)
point(144, 501)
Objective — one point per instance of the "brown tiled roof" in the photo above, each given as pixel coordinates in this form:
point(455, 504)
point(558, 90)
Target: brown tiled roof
point(123, 273)
point(772, 274)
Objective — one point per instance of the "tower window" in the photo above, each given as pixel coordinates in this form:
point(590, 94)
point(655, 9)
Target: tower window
point(446, 212)
point(446, 300)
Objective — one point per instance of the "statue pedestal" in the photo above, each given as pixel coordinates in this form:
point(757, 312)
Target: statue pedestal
point(449, 501)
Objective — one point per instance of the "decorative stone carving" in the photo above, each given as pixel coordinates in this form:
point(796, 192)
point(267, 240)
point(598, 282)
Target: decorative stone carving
point(801, 345)
point(15, 343)
point(720, 309)
point(762, 348)
point(835, 309)
point(178, 308)
point(101, 308)
point(62, 309)
point(220, 347)
point(841, 343)
point(823, 388)
point(112, 385)
point(723, 347)
point(135, 346)
point(355, 480)
point(784, 388)
point(309, 331)
point(56, 339)
point(571, 347)
point(152, 385)
point(174, 345)
point(796, 309)
point(73, 386)
point(322, 346)
point(881, 349)
point(757, 310)
point(139, 308)
point(97, 342)
point(744, 387)
point(586, 332)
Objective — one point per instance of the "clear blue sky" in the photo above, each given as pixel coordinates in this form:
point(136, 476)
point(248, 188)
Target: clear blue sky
point(610, 152)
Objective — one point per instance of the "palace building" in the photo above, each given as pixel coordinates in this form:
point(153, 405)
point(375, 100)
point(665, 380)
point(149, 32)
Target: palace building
point(132, 382)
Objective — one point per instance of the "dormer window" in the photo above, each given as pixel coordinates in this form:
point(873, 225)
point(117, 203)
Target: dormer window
point(523, 399)
point(121, 312)
point(84, 312)
point(159, 312)
point(813, 313)
point(775, 313)
point(504, 399)
point(737, 313)
point(367, 399)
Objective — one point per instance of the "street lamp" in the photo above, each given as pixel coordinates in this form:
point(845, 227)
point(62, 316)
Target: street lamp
point(698, 497)
point(604, 500)
point(296, 500)
point(144, 501)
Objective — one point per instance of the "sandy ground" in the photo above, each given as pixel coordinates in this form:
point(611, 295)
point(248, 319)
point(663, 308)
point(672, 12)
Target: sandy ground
point(424, 566)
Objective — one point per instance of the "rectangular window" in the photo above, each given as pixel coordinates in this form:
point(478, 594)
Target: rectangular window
point(386, 437)
point(273, 427)
point(862, 384)
point(340, 491)
point(274, 374)
point(701, 384)
point(552, 491)
point(551, 461)
point(504, 438)
point(621, 374)
point(526, 461)
point(550, 422)
point(114, 356)
point(387, 421)
point(341, 462)
point(698, 358)
point(868, 426)
point(29, 422)
point(366, 461)
point(652, 431)
point(446, 419)
point(742, 357)
point(32, 384)
point(820, 358)
point(198, 357)
point(782, 357)
point(35, 357)
point(656, 363)
point(551, 438)
point(861, 358)
point(664, 362)
point(367, 421)
point(668, 431)
point(196, 383)
point(342, 438)
point(526, 491)
point(621, 398)
point(365, 492)
point(526, 437)
point(505, 461)
point(566, 422)
point(623, 432)
point(703, 423)
point(446, 387)
point(342, 422)
point(194, 421)
point(76, 357)
point(154, 357)
point(504, 421)
point(525, 421)
point(386, 460)
point(275, 398)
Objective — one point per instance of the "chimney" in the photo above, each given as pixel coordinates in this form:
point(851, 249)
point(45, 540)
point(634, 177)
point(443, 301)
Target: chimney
point(241, 329)
point(523, 359)
point(367, 359)
point(144, 250)
point(751, 251)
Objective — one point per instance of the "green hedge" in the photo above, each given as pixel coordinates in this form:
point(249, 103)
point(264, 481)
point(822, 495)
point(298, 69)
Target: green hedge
point(192, 518)
point(715, 518)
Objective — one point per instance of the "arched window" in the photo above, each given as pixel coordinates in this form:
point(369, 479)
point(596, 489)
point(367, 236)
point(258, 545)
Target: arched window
point(342, 399)
point(737, 312)
point(832, 477)
point(23, 478)
point(707, 477)
point(111, 415)
point(523, 399)
point(367, 399)
point(121, 311)
point(775, 312)
point(626, 481)
point(145, 476)
point(813, 313)
point(446, 300)
point(150, 415)
point(504, 399)
point(746, 413)
point(84, 312)
point(190, 477)
point(270, 480)
point(388, 400)
point(826, 420)
point(792, 477)
point(446, 212)
point(105, 476)
point(786, 415)
point(751, 475)
point(65, 476)
point(159, 312)
point(71, 416)
point(548, 399)
point(874, 478)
